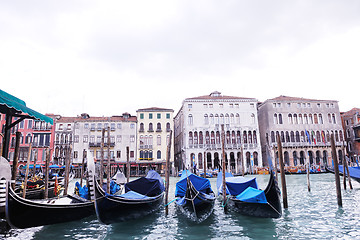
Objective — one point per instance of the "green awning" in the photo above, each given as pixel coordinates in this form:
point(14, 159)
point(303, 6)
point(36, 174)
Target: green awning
point(9, 101)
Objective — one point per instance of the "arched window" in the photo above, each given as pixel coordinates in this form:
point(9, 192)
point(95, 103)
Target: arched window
point(201, 141)
point(292, 136)
point(280, 119)
point(321, 121)
point(316, 119)
point(206, 119)
point(158, 139)
point(227, 120)
point(341, 136)
point(311, 119)
point(300, 119)
point(207, 138)
point(245, 137)
point(275, 119)
point(272, 136)
point(211, 119)
point(237, 118)
point(254, 137)
point(217, 137)
point(295, 119)
point(151, 129)
point(238, 137)
point(232, 119)
point(287, 136)
point(306, 119)
point(217, 119)
point(190, 119)
point(227, 137)
point(233, 138)
point(297, 134)
point(290, 120)
point(158, 127)
point(212, 140)
point(158, 154)
point(221, 118)
point(168, 127)
point(329, 117)
point(195, 138)
point(336, 136)
point(141, 154)
point(190, 138)
point(253, 119)
point(250, 137)
point(141, 127)
point(318, 136)
point(333, 119)
point(303, 136)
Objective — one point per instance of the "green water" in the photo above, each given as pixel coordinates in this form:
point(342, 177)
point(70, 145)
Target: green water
point(311, 215)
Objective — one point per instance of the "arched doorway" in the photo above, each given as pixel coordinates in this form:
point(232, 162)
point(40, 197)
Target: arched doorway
point(325, 158)
point(232, 160)
point(302, 158)
point(208, 161)
point(318, 157)
point(216, 161)
point(295, 158)
point(286, 158)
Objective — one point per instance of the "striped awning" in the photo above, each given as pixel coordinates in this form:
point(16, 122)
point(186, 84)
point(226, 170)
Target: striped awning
point(8, 101)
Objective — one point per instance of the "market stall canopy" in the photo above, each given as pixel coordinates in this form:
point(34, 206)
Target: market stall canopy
point(9, 102)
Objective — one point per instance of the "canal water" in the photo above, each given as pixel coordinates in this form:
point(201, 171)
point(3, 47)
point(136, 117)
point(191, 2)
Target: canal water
point(311, 215)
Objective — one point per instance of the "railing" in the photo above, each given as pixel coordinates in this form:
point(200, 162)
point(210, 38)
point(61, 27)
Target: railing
point(99, 144)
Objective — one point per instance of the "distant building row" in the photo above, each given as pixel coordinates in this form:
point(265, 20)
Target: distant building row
point(249, 128)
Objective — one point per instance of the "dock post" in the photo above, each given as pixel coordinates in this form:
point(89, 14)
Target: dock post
point(82, 167)
point(307, 162)
point(108, 162)
point(223, 165)
point(102, 158)
point(204, 164)
point(346, 168)
point(67, 170)
point(167, 174)
point(336, 170)
point(47, 163)
point(282, 172)
point(16, 160)
point(27, 171)
point(127, 164)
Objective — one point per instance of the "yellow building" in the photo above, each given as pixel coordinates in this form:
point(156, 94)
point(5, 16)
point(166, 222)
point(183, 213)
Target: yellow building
point(153, 130)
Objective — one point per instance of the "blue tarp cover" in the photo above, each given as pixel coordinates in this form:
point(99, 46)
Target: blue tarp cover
point(219, 181)
point(133, 195)
point(252, 195)
point(146, 186)
point(236, 185)
point(201, 184)
point(114, 187)
point(83, 191)
point(354, 171)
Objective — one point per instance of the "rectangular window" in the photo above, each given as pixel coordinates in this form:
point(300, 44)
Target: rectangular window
point(76, 138)
point(118, 138)
point(132, 154)
point(98, 139)
point(112, 127)
point(86, 126)
point(118, 154)
point(205, 105)
point(30, 124)
point(211, 105)
point(85, 138)
point(189, 105)
point(141, 116)
point(221, 105)
point(132, 125)
point(132, 138)
point(119, 126)
point(92, 127)
point(252, 105)
point(150, 116)
point(168, 116)
point(274, 105)
point(75, 154)
point(159, 116)
point(92, 138)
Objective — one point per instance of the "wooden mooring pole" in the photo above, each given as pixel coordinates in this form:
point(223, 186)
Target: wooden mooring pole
point(204, 164)
point(47, 163)
point(346, 170)
point(67, 169)
point(223, 165)
point(108, 162)
point(82, 167)
point(336, 170)
point(167, 174)
point(282, 172)
point(307, 162)
point(27, 170)
point(16, 160)
point(127, 164)
point(102, 158)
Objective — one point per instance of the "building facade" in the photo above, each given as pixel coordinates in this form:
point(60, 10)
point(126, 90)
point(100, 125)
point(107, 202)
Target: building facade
point(304, 126)
point(154, 126)
point(351, 126)
point(198, 130)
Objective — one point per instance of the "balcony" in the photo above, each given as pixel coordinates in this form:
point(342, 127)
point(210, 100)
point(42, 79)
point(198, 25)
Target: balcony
point(146, 147)
point(92, 144)
point(357, 133)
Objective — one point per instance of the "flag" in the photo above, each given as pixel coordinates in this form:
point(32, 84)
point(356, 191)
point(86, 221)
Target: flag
point(314, 137)
point(323, 136)
point(308, 136)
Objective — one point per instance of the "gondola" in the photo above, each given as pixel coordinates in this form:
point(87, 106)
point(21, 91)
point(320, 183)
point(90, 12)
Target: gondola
point(246, 198)
point(25, 213)
point(353, 171)
point(142, 197)
point(194, 197)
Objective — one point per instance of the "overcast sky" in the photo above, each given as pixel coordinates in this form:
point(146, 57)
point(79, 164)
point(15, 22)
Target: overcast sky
point(110, 57)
